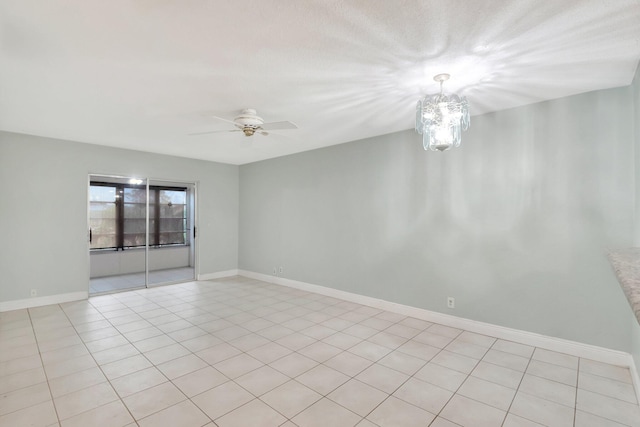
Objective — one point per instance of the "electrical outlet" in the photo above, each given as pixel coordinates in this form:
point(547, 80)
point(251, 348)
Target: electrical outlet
point(281, 269)
point(34, 292)
point(451, 302)
point(275, 271)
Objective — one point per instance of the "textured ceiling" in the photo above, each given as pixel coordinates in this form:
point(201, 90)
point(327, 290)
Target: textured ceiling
point(143, 74)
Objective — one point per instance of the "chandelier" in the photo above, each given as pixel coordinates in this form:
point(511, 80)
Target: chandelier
point(440, 119)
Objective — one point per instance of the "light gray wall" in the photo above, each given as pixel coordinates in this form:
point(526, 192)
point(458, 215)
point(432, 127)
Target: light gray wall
point(513, 224)
point(43, 209)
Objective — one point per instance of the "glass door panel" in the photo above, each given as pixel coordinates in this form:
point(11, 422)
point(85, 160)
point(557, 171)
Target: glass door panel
point(171, 256)
point(117, 233)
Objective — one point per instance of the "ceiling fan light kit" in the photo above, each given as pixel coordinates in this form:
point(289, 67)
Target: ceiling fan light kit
point(440, 119)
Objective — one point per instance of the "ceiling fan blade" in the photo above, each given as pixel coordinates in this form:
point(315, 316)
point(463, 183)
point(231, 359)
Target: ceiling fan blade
point(279, 125)
point(213, 131)
point(225, 120)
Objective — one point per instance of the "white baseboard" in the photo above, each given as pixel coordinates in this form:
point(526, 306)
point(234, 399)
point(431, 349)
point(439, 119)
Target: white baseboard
point(634, 376)
point(560, 345)
point(218, 275)
point(40, 301)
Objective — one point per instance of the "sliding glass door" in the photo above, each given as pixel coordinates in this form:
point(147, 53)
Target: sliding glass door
point(140, 232)
point(171, 256)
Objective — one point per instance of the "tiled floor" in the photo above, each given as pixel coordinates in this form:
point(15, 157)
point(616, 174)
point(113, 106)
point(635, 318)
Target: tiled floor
point(238, 352)
point(121, 282)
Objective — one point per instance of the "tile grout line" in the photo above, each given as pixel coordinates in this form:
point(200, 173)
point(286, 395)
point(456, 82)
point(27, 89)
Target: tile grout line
point(294, 351)
point(46, 376)
point(239, 297)
point(354, 345)
point(508, 411)
point(391, 350)
point(229, 379)
point(152, 364)
point(461, 384)
point(108, 380)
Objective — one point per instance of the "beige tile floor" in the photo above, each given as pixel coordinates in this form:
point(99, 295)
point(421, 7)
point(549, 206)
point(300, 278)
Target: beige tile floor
point(239, 352)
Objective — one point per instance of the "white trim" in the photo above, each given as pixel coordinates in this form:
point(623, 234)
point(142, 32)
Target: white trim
point(634, 376)
point(217, 275)
point(40, 301)
point(560, 345)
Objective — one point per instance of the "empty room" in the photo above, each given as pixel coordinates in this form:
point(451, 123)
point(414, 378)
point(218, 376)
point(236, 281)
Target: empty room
point(320, 213)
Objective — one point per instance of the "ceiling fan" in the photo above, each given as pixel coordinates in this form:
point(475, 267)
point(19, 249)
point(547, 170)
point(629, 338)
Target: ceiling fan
point(249, 123)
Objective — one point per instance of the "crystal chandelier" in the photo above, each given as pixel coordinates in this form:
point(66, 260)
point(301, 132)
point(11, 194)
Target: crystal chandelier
point(440, 119)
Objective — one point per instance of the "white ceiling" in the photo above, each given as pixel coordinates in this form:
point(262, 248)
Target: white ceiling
point(142, 74)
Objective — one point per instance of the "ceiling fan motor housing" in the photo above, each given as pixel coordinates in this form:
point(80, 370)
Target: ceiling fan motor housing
point(248, 121)
point(249, 118)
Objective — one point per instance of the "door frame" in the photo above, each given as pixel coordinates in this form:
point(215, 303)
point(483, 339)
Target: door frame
point(194, 213)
